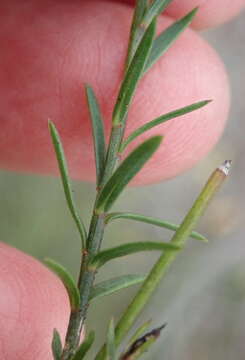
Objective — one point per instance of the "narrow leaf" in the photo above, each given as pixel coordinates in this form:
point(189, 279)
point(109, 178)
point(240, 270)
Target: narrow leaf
point(110, 345)
point(154, 9)
point(98, 132)
point(163, 41)
point(66, 181)
point(126, 171)
point(68, 282)
point(110, 286)
point(132, 76)
point(84, 347)
point(127, 249)
point(153, 221)
point(139, 332)
point(136, 31)
point(141, 345)
point(56, 345)
point(161, 119)
point(139, 11)
point(180, 237)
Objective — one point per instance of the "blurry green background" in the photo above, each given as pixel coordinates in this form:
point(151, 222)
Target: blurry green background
point(203, 296)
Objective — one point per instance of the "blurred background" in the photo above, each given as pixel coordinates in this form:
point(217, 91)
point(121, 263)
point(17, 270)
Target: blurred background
point(203, 296)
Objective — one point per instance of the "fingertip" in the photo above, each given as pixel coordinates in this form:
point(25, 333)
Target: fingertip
point(48, 85)
point(210, 13)
point(33, 302)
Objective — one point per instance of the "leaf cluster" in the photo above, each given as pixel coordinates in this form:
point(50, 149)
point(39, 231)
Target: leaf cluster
point(112, 177)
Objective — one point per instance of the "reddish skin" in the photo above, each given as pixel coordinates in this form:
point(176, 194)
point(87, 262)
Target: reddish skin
point(56, 56)
point(211, 13)
point(207, 15)
point(32, 302)
point(48, 51)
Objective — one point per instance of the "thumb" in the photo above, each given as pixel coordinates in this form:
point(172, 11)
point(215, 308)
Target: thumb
point(33, 302)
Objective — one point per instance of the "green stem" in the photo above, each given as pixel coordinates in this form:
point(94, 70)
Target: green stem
point(96, 231)
point(117, 132)
point(161, 266)
point(85, 283)
point(95, 236)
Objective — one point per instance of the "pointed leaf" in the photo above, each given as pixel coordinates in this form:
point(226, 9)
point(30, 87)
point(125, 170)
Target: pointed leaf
point(161, 119)
point(118, 283)
point(139, 332)
point(132, 76)
point(98, 132)
point(154, 9)
point(127, 249)
point(136, 31)
point(162, 43)
point(140, 9)
point(110, 345)
point(142, 344)
point(126, 171)
point(84, 347)
point(56, 345)
point(150, 220)
point(68, 282)
point(66, 181)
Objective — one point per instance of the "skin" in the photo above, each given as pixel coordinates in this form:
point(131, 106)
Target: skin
point(49, 49)
point(32, 301)
point(211, 12)
point(208, 16)
point(56, 56)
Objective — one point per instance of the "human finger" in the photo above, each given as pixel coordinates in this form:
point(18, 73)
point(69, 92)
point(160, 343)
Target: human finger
point(46, 58)
point(211, 13)
point(33, 302)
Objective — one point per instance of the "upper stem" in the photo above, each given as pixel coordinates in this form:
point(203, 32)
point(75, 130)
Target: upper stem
point(161, 266)
point(117, 132)
point(95, 236)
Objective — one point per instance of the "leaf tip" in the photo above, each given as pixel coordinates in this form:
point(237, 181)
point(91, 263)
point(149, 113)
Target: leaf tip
point(87, 87)
point(46, 260)
point(194, 11)
point(56, 345)
point(52, 129)
point(204, 239)
point(50, 124)
point(157, 139)
point(225, 167)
